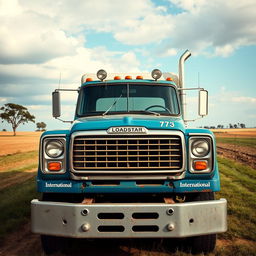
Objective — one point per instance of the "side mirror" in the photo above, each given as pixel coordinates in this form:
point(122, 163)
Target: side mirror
point(203, 103)
point(56, 104)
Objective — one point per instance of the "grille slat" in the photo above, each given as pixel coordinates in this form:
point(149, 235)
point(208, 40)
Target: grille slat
point(145, 152)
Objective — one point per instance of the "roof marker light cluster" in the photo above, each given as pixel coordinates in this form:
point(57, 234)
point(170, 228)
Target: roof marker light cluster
point(102, 75)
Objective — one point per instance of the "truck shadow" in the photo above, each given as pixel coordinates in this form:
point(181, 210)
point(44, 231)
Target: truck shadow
point(112, 247)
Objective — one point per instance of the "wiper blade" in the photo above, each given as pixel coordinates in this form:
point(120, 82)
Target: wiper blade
point(147, 112)
point(112, 105)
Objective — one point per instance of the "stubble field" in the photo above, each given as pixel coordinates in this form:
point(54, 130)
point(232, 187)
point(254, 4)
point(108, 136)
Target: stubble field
point(18, 164)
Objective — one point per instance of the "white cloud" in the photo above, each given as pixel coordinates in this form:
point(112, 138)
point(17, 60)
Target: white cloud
point(221, 25)
point(242, 99)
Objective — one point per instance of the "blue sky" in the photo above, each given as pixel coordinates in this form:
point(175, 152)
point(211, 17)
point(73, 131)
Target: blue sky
point(41, 39)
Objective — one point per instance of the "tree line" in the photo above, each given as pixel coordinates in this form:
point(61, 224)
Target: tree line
point(16, 115)
point(231, 126)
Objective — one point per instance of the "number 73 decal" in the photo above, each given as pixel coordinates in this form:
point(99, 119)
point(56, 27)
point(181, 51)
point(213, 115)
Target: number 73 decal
point(166, 124)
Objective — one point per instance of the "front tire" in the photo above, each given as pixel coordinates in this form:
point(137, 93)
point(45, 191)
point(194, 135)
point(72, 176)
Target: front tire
point(50, 244)
point(204, 243)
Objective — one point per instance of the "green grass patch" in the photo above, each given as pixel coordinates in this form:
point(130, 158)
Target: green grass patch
point(249, 142)
point(18, 157)
point(238, 186)
point(12, 172)
point(15, 206)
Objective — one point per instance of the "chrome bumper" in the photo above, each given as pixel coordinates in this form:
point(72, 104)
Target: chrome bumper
point(129, 220)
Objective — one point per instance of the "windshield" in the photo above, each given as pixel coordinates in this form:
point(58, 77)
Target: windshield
point(107, 99)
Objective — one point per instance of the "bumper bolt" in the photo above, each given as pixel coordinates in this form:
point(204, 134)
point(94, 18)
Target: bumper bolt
point(170, 227)
point(170, 211)
point(85, 227)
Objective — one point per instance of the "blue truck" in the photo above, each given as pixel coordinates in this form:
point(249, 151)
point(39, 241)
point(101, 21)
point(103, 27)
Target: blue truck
point(129, 167)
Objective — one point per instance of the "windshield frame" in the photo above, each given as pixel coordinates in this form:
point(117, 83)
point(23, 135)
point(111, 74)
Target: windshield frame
point(131, 112)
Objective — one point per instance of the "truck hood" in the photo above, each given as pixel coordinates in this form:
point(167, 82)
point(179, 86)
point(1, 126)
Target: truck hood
point(150, 122)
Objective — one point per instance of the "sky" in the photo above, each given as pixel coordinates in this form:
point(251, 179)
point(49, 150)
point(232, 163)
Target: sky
point(45, 44)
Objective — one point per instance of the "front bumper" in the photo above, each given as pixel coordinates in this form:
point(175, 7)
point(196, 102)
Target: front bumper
point(129, 220)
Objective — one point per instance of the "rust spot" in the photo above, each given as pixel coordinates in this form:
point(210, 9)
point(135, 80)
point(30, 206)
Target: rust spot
point(206, 190)
point(83, 186)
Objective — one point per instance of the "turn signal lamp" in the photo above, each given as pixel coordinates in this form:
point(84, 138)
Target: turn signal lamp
point(117, 78)
point(54, 166)
point(89, 79)
point(156, 74)
point(169, 79)
point(139, 77)
point(101, 74)
point(200, 165)
point(128, 78)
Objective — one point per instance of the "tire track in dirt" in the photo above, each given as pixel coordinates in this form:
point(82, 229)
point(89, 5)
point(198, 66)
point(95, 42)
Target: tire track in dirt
point(17, 178)
point(242, 154)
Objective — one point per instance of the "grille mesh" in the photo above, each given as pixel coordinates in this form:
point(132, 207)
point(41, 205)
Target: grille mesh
point(144, 152)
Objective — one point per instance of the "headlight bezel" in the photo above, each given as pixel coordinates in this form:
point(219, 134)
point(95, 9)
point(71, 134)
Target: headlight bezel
point(47, 158)
point(56, 142)
point(207, 155)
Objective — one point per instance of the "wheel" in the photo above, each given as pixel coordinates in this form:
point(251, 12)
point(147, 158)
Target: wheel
point(201, 244)
point(204, 243)
point(50, 244)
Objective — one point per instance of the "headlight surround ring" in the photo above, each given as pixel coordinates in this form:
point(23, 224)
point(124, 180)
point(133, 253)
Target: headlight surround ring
point(200, 147)
point(54, 148)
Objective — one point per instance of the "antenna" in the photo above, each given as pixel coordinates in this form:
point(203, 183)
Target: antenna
point(198, 79)
point(59, 80)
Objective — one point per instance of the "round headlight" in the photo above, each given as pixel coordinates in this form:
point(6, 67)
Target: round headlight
point(101, 74)
point(156, 74)
point(54, 148)
point(200, 148)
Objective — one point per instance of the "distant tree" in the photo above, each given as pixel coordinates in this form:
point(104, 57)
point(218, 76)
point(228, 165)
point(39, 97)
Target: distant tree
point(4, 130)
point(231, 126)
point(235, 126)
point(15, 115)
point(41, 126)
point(242, 125)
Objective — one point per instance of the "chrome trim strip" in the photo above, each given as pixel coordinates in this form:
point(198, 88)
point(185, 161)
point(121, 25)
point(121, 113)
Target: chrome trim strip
point(128, 177)
point(209, 157)
point(44, 158)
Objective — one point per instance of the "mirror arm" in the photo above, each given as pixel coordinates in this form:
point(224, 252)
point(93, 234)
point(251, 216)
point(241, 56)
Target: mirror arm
point(186, 89)
point(64, 121)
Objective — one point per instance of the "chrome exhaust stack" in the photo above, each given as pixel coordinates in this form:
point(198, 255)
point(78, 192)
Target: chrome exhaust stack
point(182, 60)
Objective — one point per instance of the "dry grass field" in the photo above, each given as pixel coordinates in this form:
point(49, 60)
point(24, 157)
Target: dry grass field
point(18, 164)
point(244, 133)
point(22, 142)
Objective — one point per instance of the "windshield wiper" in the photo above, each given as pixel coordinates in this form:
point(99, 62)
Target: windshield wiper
point(146, 112)
point(112, 105)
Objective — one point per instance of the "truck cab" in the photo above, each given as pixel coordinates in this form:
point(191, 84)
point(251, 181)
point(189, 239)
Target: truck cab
point(129, 167)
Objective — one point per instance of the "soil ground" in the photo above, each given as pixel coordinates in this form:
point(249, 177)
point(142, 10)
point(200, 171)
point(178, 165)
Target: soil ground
point(242, 154)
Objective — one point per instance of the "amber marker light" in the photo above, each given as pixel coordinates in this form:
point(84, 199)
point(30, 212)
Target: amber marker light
point(200, 165)
point(169, 79)
point(128, 78)
point(139, 77)
point(54, 166)
point(117, 78)
point(89, 79)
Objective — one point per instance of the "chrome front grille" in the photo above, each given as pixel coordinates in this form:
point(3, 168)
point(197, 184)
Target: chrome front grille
point(127, 152)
